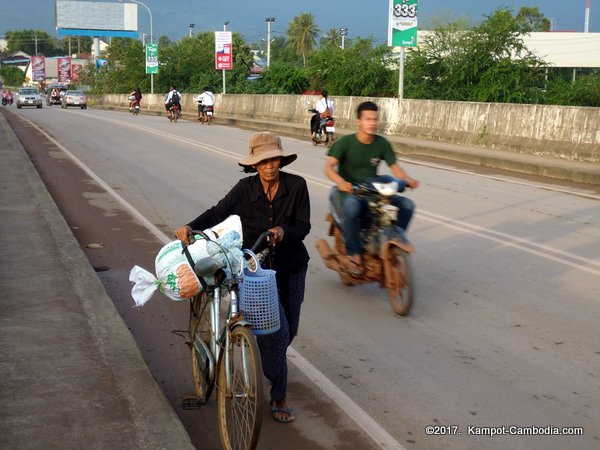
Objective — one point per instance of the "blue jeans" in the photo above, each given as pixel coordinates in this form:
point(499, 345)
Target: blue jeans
point(354, 210)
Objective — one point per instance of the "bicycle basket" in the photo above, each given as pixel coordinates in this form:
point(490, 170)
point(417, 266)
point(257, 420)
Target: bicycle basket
point(259, 301)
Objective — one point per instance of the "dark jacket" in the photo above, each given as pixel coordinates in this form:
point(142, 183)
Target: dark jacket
point(290, 209)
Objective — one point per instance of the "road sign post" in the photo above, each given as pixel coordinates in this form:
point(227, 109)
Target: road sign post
point(402, 31)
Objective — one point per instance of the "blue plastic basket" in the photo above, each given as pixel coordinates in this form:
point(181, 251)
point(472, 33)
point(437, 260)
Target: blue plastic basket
point(259, 301)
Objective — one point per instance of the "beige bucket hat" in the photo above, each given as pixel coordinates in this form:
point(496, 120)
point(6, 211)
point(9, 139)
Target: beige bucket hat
point(265, 145)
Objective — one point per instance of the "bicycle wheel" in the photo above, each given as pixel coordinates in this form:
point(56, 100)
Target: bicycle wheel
point(240, 403)
point(200, 331)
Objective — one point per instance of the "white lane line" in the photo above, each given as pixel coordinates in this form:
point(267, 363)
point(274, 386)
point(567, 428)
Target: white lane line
point(355, 412)
point(366, 422)
point(498, 178)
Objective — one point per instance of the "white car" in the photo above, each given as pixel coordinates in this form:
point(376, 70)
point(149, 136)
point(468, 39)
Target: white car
point(29, 96)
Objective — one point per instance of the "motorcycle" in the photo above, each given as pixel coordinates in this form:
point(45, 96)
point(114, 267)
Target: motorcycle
point(7, 100)
point(206, 114)
point(386, 251)
point(135, 105)
point(174, 113)
point(326, 131)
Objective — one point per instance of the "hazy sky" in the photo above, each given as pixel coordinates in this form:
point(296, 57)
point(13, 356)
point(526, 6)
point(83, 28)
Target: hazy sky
point(363, 18)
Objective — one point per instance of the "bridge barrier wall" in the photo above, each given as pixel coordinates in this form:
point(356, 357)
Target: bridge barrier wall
point(565, 132)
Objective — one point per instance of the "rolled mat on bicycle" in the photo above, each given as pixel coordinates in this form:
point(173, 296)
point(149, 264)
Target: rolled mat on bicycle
point(174, 264)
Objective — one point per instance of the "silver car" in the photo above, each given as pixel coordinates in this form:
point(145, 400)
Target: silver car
point(73, 98)
point(29, 96)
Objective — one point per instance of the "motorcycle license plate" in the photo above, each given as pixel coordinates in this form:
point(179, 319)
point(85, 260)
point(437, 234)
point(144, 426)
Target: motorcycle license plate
point(330, 129)
point(209, 113)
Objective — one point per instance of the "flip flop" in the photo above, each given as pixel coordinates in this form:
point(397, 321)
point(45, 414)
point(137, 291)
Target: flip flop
point(289, 411)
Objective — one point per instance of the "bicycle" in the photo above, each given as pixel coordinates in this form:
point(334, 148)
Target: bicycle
point(225, 354)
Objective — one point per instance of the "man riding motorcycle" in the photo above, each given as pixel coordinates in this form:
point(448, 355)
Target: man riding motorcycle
point(357, 157)
point(173, 98)
point(204, 100)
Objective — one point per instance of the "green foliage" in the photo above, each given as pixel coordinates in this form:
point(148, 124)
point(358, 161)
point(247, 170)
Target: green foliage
point(11, 76)
point(360, 70)
point(283, 79)
point(488, 63)
point(585, 91)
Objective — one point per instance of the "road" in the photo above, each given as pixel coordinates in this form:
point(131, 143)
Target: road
point(503, 332)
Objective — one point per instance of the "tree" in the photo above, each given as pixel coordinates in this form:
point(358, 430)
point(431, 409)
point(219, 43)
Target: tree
point(11, 76)
point(282, 78)
point(331, 40)
point(360, 70)
point(302, 34)
point(28, 41)
point(531, 19)
point(488, 63)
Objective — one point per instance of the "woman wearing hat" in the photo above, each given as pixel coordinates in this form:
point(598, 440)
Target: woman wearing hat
point(276, 201)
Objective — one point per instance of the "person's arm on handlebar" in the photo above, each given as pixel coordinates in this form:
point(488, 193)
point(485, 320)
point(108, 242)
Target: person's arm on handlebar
point(333, 175)
point(400, 173)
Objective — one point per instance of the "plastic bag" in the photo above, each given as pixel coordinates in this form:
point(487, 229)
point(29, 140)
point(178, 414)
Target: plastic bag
point(175, 276)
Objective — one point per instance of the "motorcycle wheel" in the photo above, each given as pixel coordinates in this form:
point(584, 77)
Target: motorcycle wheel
point(399, 280)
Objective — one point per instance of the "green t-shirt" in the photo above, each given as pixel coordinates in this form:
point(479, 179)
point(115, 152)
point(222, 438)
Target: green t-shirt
point(358, 161)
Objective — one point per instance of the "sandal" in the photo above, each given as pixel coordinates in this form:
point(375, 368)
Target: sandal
point(283, 415)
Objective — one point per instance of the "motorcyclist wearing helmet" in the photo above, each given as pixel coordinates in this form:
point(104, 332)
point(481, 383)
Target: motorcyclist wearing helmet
point(356, 157)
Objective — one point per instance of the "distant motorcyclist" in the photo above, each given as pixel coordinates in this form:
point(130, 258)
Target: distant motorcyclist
point(137, 98)
point(357, 157)
point(205, 99)
point(173, 98)
point(324, 109)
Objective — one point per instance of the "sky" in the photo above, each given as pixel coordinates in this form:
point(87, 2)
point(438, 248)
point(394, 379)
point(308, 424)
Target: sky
point(363, 18)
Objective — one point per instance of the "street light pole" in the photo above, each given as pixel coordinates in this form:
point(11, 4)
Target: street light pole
point(269, 21)
point(343, 33)
point(151, 39)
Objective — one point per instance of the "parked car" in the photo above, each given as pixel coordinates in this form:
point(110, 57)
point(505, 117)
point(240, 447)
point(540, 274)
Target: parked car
point(29, 96)
point(74, 98)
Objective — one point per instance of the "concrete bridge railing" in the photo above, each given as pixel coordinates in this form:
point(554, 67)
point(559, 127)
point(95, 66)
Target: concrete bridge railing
point(565, 132)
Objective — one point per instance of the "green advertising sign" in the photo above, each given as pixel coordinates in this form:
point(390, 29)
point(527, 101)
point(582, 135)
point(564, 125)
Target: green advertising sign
point(151, 58)
point(402, 30)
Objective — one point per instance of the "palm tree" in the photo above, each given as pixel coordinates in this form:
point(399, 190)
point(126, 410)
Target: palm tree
point(331, 40)
point(302, 34)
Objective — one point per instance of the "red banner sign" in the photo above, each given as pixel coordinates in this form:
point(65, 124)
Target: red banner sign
point(64, 70)
point(38, 68)
point(75, 71)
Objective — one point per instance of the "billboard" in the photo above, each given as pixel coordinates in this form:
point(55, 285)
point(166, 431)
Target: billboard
point(402, 28)
point(223, 50)
point(83, 18)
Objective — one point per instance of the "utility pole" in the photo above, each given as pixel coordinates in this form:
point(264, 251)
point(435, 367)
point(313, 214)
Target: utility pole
point(191, 26)
point(35, 38)
point(269, 21)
